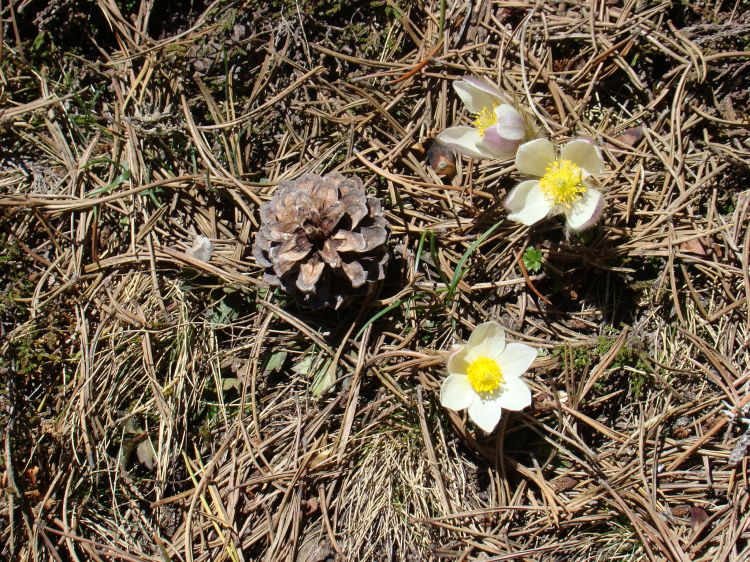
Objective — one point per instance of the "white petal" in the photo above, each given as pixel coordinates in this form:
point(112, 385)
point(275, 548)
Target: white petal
point(584, 153)
point(586, 212)
point(534, 156)
point(510, 123)
point(458, 362)
point(527, 204)
point(464, 141)
point(487, 340)
point(516, 395)
point(499, 147)
point(485, 87)
point(485, 413)
point(456, 392)
point(476, 95)
point(516, 359)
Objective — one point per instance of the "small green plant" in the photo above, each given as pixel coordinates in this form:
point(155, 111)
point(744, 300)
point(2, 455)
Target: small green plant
point(637, 383)
point(581, 357)
point(532, 259)
point(222, 314)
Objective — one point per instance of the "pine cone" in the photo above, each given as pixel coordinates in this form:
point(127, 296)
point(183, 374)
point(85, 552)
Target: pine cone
point(322, 239)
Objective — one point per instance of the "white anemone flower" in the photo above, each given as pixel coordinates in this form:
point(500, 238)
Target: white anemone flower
point(485, 376)
point(498, 127)
point(562, 186)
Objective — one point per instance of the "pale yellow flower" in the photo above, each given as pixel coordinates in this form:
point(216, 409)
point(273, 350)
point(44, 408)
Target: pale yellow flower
point(563, 186)
point(498, 128)
point(484, 376)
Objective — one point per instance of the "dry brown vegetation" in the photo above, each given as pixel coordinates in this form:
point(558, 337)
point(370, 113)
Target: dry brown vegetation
point(160, 407)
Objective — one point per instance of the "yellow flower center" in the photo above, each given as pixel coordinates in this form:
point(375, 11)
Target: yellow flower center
point(562, 183)
point(485, 375)
point(485, 119)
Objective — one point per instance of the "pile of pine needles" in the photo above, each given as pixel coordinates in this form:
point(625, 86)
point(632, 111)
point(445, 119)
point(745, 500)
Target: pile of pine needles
point(160, 403)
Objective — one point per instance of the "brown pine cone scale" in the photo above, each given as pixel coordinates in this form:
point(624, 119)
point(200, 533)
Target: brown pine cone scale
point(322, 239)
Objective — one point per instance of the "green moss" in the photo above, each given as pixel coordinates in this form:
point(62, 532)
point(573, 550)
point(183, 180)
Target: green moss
point(628, 366)
point(14, 271)
point(581, 356)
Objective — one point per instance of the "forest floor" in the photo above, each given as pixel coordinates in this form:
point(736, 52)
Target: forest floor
point(161, 404)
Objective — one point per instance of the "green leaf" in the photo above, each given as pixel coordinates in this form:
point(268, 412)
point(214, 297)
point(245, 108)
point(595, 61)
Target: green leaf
point(372, 319)
point(321, 369)
point(304, 365)
point(39, 42)
point(459, 271)
point(222, 314)
point(230, 383)
point(532, 259)
point(420, 247)
point(275, 362)
point(118, 181)
point(324, 379)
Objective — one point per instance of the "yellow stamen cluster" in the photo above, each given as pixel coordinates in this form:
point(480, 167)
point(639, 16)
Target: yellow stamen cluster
point(485, 375)
point(485, 119)
point(562, 183)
